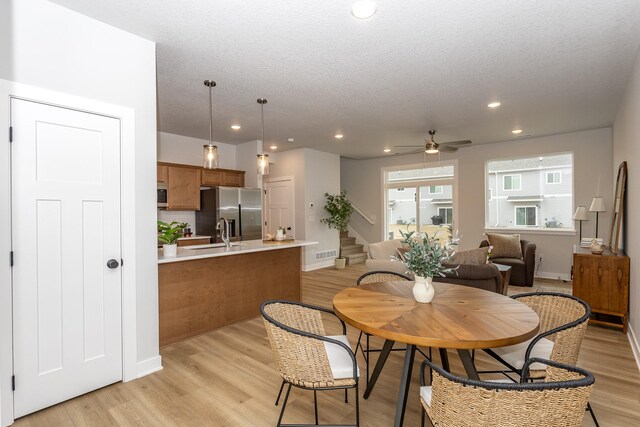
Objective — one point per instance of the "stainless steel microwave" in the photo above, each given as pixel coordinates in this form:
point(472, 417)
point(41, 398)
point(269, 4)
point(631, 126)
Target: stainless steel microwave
point(163, 202)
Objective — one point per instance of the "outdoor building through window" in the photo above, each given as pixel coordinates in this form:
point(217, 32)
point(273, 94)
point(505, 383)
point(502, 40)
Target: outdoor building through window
point(530, 193)
point(420, 199)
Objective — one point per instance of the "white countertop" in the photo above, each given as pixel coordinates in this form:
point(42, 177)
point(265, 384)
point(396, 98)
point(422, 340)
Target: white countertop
point(187, 253)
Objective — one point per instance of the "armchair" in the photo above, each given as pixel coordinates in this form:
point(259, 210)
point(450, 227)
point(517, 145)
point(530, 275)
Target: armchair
point(521, 269)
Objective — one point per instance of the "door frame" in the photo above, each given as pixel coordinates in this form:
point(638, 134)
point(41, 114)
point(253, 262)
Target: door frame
point(126, 116)
point(293, 200)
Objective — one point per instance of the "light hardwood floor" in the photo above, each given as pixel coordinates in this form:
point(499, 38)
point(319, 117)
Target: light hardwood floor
point(227, 378)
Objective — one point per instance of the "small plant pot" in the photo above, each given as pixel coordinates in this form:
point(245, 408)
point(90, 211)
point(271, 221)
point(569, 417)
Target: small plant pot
point(340, 263)
point(170, 250)
point(423, 289)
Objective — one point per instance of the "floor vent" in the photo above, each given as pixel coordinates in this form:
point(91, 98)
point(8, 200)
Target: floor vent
point(333, 253)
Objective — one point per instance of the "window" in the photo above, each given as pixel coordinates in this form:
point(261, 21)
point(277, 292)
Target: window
point(530, 192)
point(410, 204)
point(446, 214)
point(554, 177)
point(511, 182)
point(526, 216)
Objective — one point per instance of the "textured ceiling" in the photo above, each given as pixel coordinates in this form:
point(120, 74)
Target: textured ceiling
point(556, 66)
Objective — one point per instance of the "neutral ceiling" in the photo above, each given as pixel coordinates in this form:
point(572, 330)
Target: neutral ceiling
point(556, 66)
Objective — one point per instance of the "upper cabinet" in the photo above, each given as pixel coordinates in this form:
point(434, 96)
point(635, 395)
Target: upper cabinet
point(162, 173)
point(183, 188)
point(183, 183)
point(225, 177)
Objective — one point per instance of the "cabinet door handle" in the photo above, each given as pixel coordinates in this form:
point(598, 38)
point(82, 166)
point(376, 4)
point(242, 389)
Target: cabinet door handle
point(600, 271)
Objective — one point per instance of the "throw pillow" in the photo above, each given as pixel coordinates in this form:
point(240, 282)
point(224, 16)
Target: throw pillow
point(400, 252)
point(474, 256)
point(505, 245)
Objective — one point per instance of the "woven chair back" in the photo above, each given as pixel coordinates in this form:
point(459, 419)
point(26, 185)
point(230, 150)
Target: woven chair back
point(460, 405)
point(381, 276)
point(555, 311)
point(301, 360)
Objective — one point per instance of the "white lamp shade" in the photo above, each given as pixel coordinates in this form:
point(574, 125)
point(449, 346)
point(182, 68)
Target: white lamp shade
point(580, 214)
point(597, 205)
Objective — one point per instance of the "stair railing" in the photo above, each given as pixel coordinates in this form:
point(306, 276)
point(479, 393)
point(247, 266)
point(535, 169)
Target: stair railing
point(362, 214)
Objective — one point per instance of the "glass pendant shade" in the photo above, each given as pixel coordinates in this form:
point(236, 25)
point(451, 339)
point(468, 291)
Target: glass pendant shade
point(210, 156)
point(263, 164)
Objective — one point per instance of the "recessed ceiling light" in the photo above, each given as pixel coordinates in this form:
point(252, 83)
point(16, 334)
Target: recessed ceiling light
point(235, 127)
point(516, 131)
point(338, 136)
point(387, 150)
point(273, 147)
point(364, 9)
point(494, 104)
point(290, 139)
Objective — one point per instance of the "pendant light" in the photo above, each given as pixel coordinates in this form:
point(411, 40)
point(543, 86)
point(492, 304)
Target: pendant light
point(210, 151)
point(263, 159)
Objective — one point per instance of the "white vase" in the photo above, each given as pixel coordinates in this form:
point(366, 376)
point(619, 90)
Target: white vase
point(280, 235)
point(170, 250)
point(423, 289)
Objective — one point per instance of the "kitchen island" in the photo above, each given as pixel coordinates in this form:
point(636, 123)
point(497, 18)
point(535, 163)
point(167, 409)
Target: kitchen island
point(207, 287)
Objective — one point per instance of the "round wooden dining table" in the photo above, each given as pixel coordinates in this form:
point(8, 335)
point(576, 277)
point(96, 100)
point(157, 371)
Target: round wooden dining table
point(459, 317)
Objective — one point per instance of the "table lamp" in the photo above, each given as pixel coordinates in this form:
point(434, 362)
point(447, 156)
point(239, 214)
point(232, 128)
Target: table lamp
point(580, 215)
point(597, 206)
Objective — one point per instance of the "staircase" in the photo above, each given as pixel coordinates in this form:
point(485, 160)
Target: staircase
point(351, 250)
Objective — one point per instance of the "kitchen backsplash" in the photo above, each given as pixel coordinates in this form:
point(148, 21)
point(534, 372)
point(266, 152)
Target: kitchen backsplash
point(180, 216)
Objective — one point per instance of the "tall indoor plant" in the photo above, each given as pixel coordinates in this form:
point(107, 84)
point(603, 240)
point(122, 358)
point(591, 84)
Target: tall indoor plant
point(340, 210)
point(426, 258)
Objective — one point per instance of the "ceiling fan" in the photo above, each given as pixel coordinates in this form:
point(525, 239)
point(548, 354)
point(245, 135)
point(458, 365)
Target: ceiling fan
point(432, 147)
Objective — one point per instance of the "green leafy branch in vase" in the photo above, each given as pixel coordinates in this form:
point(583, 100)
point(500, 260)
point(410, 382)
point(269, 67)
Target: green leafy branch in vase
point(426, 256)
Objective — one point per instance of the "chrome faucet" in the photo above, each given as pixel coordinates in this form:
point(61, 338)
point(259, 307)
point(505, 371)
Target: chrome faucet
point(223, 227)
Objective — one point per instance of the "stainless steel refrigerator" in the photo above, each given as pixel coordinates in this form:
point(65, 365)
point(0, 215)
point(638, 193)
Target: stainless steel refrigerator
point(242, 207)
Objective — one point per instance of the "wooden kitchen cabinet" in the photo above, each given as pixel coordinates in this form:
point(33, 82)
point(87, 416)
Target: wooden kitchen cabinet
point(161, 173)
point(603, 282)
point(183, 188)
point(224, 177)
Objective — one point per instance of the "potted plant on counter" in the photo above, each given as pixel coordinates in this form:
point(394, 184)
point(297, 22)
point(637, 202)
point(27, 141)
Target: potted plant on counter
point(340, 210)
point(425, 259)
point(168, 234)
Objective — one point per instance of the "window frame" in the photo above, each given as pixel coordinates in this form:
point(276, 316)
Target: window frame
point(515, 215)
point(552, 173)
point(435, 187)
point(519, 175)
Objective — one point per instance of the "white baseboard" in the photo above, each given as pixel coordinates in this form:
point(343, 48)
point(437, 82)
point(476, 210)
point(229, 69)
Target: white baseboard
point(149, 366)
point(554, 276)
point(319, 265)
point(634, 345)
point(359, 239)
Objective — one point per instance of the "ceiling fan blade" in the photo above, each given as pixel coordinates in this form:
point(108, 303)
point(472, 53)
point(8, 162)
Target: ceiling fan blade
point(463, 142)
point(408, 146)
point(447, 149)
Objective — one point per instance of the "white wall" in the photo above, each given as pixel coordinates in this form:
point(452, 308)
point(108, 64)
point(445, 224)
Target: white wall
point(189, 151)
point(592, 161)
point(247, 161)
point(626, 146)
point(314, 173)
point(53, 48)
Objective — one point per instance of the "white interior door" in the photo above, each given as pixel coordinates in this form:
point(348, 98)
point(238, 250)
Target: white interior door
point(65, 228)
point(279, 207)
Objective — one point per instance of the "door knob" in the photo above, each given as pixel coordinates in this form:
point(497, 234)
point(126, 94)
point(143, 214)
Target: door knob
point(112, 263)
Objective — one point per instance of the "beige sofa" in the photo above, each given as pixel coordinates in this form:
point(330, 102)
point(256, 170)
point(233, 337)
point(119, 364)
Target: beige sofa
point(381, 256)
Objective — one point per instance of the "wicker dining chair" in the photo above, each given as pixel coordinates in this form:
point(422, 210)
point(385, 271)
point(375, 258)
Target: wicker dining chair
point(305, 356)
point(563, 323)
point(560, 400)
point(373, 277)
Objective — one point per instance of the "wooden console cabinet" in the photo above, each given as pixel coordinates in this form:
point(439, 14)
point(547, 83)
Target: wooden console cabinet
point(603, 282)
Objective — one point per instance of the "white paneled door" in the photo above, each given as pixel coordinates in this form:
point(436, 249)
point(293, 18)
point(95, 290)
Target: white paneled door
point(279, 207)
point(66, 246)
